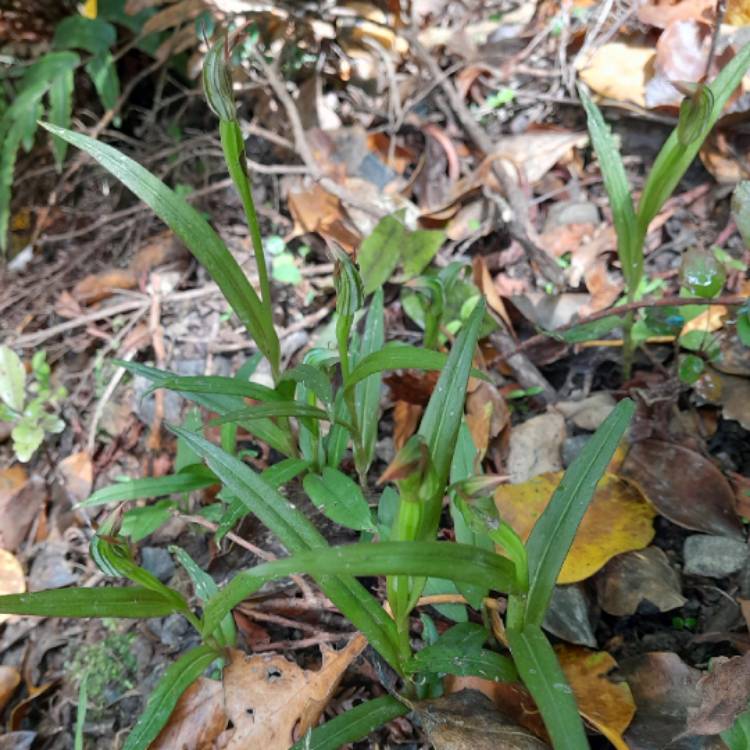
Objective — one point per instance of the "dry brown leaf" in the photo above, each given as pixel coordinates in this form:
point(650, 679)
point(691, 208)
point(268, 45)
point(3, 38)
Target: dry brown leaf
point(618, 71)
point(413, 386)
point(606, 705)
point(484, 283)
point(197, 721)
point(604, 288)
point(719, 156)
point(12, 579)
point(96, 287)
point(635, 577)
point(317, 211)
point(661, 13)
point(487, 415)
point(21, 500)
point(664, 688)
point(724, 694)
point(176, 14)
point(272, 702)
point(683, 486)
point(77, 471)
point(618, 520)
point(67, 307)
point(405, 420)
point(467, 720)
point(10, 679)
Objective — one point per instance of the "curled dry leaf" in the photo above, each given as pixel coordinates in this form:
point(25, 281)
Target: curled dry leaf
point(405, 420)
point(10, 678)
point(272, 702)
point(641, 576)
point(487, 415)
point(12, 580)
point(606, 704)
point(683, 486)
point(589, 412)
point(198, 719)
point(618, 520)
point(316, 210)
point(467, 720)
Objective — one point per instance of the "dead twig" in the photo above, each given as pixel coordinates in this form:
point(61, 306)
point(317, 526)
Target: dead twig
point(728, 300)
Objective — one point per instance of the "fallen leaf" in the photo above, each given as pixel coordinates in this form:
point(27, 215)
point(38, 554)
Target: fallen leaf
point(77, 471)
point(156, 251)
point(618, 71)
point(738, 13)
point(734, 356)
point(21, 499)
point(604, 288)
point(567, 616)
point(12, 579)
point(412, 385)
point(664, 689)
point(617, 520)
point(316, 211)
point(710, 320)
point(197, 720)
point(735, 398)
point(96, 287)
point(405, 420)
point(487, 415)
point(661, 13)
point(272, 702)
point(467, 720)
point(641, 576)
point(179, 13)
point(724, 694)
point(10, 679)
point(719, 156)
point(534, 447)
point(607, 705)
point(484, 283)
point(588, 413)
point(683, 486)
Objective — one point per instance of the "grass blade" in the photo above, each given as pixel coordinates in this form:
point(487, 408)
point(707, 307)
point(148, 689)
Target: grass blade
point(355, 724)
point(437, 559)
point(542, 675)
point(176, 680)
point(194, 231)
point(618, 189)
point(194, 478)
point(553, 534)
point(121, 601)
point(442, 417)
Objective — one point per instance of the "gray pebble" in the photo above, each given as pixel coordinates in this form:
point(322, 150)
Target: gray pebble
point(158, 562)
point(713, 556)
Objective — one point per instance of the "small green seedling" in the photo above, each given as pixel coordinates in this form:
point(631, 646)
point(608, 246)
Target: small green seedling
point(31, 405)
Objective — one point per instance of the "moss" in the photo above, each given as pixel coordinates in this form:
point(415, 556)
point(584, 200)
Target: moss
point(108, 666)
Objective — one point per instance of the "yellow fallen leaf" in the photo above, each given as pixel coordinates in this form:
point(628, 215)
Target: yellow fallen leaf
point(618, 71)
point(10, 679)
point(618, 520)
point(710, 320)
point(608, 706)
point(89, 9)
point(738, 13)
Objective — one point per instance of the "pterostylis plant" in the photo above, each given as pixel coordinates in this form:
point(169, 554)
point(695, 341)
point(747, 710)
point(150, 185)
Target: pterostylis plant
point(398, 540)
point(699, 113)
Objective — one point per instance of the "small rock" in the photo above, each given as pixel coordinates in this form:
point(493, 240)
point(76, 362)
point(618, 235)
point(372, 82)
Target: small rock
point(589, 413)
point(51, 569)
point(571, 212)
point(158, 562)
point(713, 556)
point(572, 447)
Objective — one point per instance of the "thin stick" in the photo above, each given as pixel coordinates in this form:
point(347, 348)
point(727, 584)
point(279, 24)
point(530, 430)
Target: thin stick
point(728, 300)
